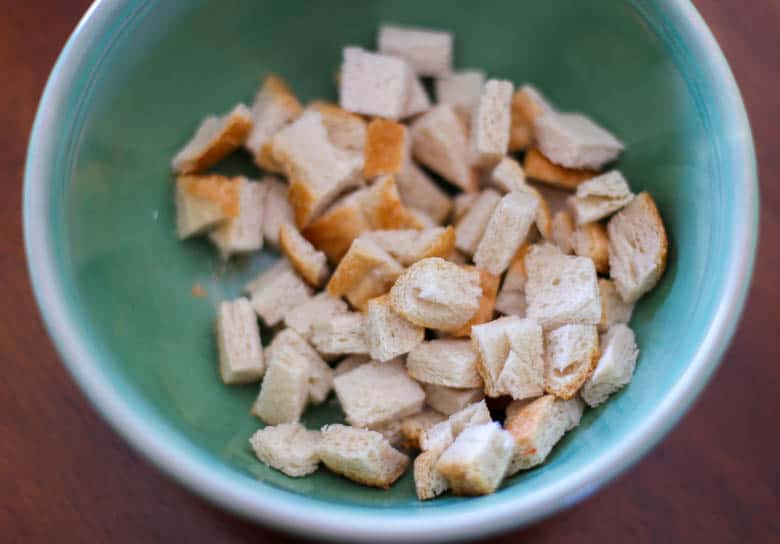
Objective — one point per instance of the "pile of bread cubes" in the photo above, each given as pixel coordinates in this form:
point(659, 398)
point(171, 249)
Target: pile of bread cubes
point(414, 299)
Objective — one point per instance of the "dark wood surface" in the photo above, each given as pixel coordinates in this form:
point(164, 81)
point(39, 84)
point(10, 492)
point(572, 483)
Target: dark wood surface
point(66, 477)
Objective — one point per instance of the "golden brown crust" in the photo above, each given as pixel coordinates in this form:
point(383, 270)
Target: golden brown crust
point(346, 130)
point(384, 209)
point(571, 387)
point(287, 245)
point(302, 201)
point(363, 274)
point(333, 232)
point(523, 424)
point(230, 138)
point(487, 302)
point(385, 148)
point(442, 246)
point(265, 159)
point(591, 241)
point(218, 189)
point(540, 168)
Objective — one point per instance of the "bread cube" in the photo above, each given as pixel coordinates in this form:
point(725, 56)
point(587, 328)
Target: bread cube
point(527, 104)
point(320, 374)
point(409, 246)
point(238, 340)
point(450, 363)
point(573, 140)
point(600, 197)
point(491, 122)
point(320, 307)
point(374, 84)
point(418, 190)
point(276, 209)
point(386, 148)
point(522, 375)
point(275, 107)
point(506, 231)
point(471, 227)
point(615, 367)
point(341, 334)
point(243, 233)
point(288, 447)
point(277, 291)
point(449, 400)
point(413, 427)
point(335, 230)
point(389, 335)
point(570, 355)
point(345, 129)
point(284, 392)
point(487, 302)
point(418, 101)
point(540, 168)
point(204, 202)
point(311, 264)
point(613, 308)
point(461, 90)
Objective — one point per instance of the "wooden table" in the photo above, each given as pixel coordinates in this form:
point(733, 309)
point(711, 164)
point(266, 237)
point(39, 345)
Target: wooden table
point(65, 477)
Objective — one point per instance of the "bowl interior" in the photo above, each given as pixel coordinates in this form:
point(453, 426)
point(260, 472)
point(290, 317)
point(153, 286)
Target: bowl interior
point(162, 66)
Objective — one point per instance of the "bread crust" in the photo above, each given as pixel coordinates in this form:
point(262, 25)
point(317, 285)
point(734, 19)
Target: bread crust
point(540, 168)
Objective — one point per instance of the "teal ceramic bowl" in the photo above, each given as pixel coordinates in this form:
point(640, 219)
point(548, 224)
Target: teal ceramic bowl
point(113, 284)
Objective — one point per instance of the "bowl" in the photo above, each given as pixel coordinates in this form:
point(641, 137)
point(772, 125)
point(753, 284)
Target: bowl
point(114, 285)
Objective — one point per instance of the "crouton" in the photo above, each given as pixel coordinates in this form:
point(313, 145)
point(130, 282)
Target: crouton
point(341, 334)
point(243, 233)
point(600, 197)
point(363, 456)
point(276, 209)
point(451, 363)
point(289, 447)
point(428, 52)
point(389, 335)
point(275, 107)
point(357, 390)
point(571, 353)
point(350, 362)
point(637, 248)
point(615, 367)
point(590, 240)
point(440, 436)
point(436, 294)
point(276, 291)
point(311, 264)
point(487, 302)
point(365, 272)
point(471, 227)
point(537, 426)
point(540, 168)
point(506, 231)
point(491, 342)
point(391, 431)
point(374, 84)
point(320, 374)
point(204, 202)
point(461, 90)
point(345, 129)
point(527, 104)
point(449, 400)
point(561, 289)
point(491, 122)
point(440, 142)
point(574, 141)
point(215, 138)
point(613, 308)
point(522, 375)
point(476, 462)
point(563, 231)
point(418, 101)
point(514, 279)
point(320, 307)
point(238, 340)
point(334, 231)
point(428, 481)
point(413, 427)
point(285, 388)
point(318, 170)
point(418, 190)
point(383, 208)
point(385, 150)
point(508, 176)
point(410, 246)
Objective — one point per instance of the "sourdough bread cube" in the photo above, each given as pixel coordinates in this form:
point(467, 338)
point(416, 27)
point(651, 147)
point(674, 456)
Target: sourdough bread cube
point(590, 240)
point(409, 246)
point(471, 226)
point(638, 247)
point(389, 335)
point(350, 362)
point(243, 233)
point(414, 427)
point(345, 129)
point(491, 122)
point(436, 294)
point(276, 292)
point(563, 231)
point(540, 168)
point(238, 340)
point(358, 389)
point(613, 309)
point(451, 363)
point(285, 388)
point(321, 307)
point(418, 190)
point(523, 373)
point(289, 447)
point(527, 104)
point(204, 202)
point(366, 271)
point(318, 170)
point(418, 101)
point(561, 289)
point(440, 142)
point(570, 355)
point(320, 374)
point(374, 84)
point(275, 107)
point(600, 197)
point(215, 138)
point(461, 90)
point(276, 209)
point(311, 264)
point(449, 400)
point(341, 334)
point(615, 367)
point(428, 481)
point(573, 140)
point(386, 149)
point(537, 426)
point(476, 462)
point(428, 51)
point(506, 231)
point(363, 456)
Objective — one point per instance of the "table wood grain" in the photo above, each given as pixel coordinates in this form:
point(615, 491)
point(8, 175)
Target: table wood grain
point(66, 477)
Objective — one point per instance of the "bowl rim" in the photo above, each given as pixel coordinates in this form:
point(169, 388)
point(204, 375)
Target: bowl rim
point(297, 514)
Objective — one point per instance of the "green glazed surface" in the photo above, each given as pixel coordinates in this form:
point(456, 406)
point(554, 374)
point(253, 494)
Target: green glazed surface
point(162, 66)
